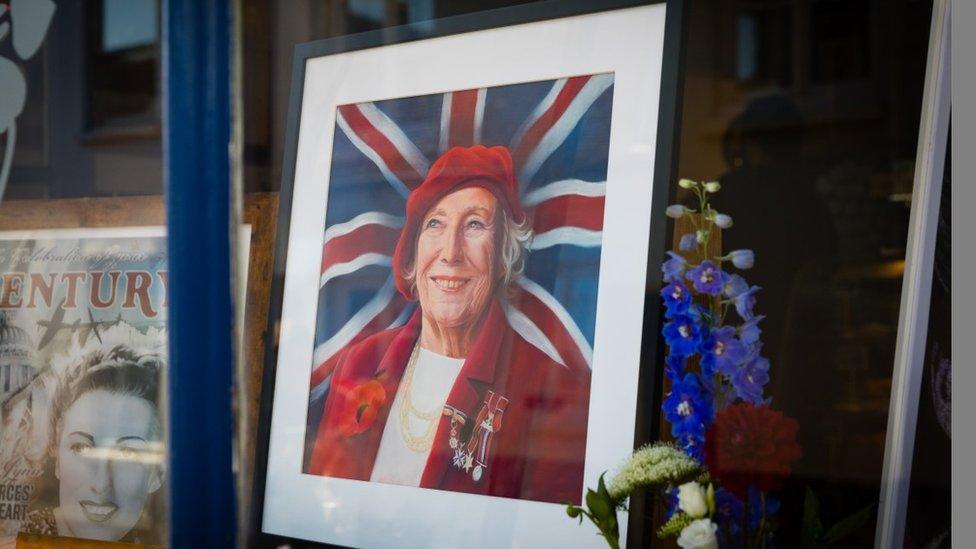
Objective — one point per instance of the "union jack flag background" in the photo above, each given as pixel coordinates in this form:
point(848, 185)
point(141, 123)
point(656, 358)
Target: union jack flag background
point(558, 132)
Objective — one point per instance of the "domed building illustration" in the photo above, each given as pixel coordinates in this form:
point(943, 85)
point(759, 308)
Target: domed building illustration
point(16, 360)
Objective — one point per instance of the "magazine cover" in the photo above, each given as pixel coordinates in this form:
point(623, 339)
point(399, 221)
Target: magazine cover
point(82, 353)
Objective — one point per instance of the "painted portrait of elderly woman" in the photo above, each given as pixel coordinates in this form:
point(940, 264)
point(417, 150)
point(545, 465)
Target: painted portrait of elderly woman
point(468, 368)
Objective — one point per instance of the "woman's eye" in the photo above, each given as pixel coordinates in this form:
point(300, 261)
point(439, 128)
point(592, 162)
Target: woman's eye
point(476, 224)
point(433, 223)
point(79, 447)
point(128, 453)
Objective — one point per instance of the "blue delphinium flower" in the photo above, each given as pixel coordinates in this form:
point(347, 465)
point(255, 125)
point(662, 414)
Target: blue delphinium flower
point(676, 297)
point(682, 334)
point(744, 303)
point(750, 379)
point(688, 242)
point(728, 515)
point(674, 268)
point(688, 409)
point(749, 331)
point(674, 367)
point(721, 351)
point(707, 278)
point(695, 448)
point(742, 259)
point(670, 502)
point(741, 295)
point(730, 512)
point(755, 507)
point(698, 313)
point(734, 285)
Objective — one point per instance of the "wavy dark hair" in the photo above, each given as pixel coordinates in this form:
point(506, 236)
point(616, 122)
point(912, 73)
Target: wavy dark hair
point(120, 370)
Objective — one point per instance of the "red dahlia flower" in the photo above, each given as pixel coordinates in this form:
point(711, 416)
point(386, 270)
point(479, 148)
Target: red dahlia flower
point(751, 445)
point(362, 402)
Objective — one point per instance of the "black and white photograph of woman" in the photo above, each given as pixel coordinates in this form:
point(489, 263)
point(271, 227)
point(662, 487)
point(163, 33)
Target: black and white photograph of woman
point(106, 450)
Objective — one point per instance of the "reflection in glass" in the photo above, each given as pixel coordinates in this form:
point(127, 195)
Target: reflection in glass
point(813, 140)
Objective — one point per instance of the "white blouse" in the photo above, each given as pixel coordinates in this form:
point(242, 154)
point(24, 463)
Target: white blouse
point(431, 383)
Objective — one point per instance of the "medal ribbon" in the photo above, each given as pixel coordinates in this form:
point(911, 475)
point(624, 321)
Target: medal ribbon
point(480, 442)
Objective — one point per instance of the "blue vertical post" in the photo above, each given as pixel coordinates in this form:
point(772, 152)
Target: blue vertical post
point(197, 118)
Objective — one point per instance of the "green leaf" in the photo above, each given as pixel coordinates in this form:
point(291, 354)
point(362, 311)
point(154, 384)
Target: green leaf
point(710, 499)
point(812, 528)
point(601, 488)
point(610, 531)
point(849, 525)
point(599, 505)
point(674, 525)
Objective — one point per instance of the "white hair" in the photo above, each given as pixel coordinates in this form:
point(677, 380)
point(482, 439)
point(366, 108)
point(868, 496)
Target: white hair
point(515, 240)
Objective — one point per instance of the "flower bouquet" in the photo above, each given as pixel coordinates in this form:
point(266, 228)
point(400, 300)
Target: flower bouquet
point(730, 449)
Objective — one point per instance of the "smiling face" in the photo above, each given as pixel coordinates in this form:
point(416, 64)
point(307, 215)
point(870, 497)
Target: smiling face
point(106, 464)
point(455, 263)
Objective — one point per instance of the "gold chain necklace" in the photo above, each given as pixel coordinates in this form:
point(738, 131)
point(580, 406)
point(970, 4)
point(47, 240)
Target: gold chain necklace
point(425, 441)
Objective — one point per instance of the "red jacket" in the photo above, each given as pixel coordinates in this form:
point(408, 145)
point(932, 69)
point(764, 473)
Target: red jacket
point(537, 441)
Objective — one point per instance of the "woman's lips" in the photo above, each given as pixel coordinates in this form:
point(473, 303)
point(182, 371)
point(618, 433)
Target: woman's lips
point(98, 512)
point(449, 283)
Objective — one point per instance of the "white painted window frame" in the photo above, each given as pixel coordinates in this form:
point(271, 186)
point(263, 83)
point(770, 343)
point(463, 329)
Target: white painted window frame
point(916, 285)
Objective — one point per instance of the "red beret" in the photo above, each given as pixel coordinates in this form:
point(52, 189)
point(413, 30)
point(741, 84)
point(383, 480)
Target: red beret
point(458, 168)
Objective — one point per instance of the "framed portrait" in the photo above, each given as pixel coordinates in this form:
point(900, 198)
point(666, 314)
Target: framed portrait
point(467, 213)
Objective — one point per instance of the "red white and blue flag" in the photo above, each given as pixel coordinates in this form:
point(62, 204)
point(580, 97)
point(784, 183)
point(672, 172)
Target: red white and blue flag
point(558, 132)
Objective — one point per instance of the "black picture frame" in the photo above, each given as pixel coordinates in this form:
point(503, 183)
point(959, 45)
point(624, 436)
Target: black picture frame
point(648, 418)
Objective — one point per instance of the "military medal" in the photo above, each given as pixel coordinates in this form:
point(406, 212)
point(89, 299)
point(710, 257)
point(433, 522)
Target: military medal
point(457, 421)
point(472, 456)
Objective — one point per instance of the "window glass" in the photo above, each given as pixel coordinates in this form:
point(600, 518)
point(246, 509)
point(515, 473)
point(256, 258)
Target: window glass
point(807, 112)
point(270, 32)
point(928, 522)
point(83, 274)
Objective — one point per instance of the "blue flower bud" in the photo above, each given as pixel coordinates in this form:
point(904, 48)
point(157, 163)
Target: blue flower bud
point(742, 259)
point(675, 211)
point(723, 221)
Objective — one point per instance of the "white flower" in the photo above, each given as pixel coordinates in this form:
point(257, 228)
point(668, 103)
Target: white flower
point(653, 465)
point(700, 534)
point(712, 187)
point(691, 499)
point(687, 184)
